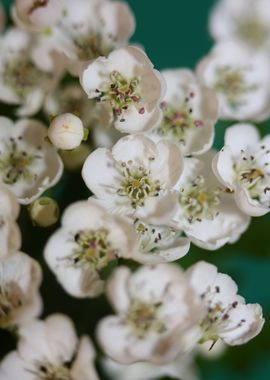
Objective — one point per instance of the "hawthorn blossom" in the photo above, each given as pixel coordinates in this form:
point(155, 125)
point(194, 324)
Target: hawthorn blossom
point(241, 80)
point(10, 236)
point(206, 212)
point(157, 244)
point(182, 368)
point(49, 350)
point(28, 164)
point(89, 241)
point(89, 29)
point(228, 317)
point(127, 81)
point(243, 166)
point(156, 313)
point(23, 80)
point(135, 178)
point(20, 277)
point(245, 20)
point(189, 113)
point(37, 15)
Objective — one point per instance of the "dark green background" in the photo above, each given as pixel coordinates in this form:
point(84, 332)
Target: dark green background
point(174, 34)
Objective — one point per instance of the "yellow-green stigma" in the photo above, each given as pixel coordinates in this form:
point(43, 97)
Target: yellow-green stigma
point(15, 164)
point(138, 185)
point(121, 93)
point(142, 317)
point(177, 123)
point(231, 83)
point(253, 31)
point(199, 202)
point(94, 249)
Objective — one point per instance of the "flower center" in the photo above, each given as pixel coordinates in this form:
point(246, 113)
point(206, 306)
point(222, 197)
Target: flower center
point(15, 164)
point(94, 248)
point(252, 172)
point(253, 31)
point(199, 202)
point(177, 123)
point(142, 317)
point(91, 46)
point(231, 83)
point(121, 93)
point(22, 77)
point(137, 185)
point(11, 299)
point(50, 372)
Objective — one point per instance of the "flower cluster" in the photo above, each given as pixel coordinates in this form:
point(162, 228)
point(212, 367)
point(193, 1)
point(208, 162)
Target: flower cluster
point(154, 185)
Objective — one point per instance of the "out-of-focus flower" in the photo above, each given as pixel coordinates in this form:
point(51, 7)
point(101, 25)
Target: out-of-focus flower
point(23, 82)
point(189, 113)
point(241, 80)
point(10, 236)
point(156, 312)
point(245, 20)
point(157, 244)
point(20, 277)
point(50, 350)
point(44, 211)
point(135, 178)
point(182, 368)
point(88, 242)
point(74, 159)
point(28, 164)
point(66, 131)
point(228, 316)
point(37, 15)
point(2, 17)
point(206, 212)
point(243, 166)
point(89, 29)
point(127, 81)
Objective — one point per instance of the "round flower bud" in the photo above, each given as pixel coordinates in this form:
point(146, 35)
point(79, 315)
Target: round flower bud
point(66, 131)
point(74, 159)
point(44, 211)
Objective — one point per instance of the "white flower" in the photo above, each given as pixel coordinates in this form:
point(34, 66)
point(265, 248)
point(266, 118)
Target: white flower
point(23, 82)
point(241, 80)
point(88, 241)
point(45, 350)
point(245, 20)
point(127, 81)
point(37, 15)
point(28, 164)
point(181, 368)
point(189, 113)
point(66, 131)
point(243, 166)
point(10, 236)
point(156, 312)
point(136, 177)
point(89, 29)
point(206, 212)
point(157, 244)
point(20, 277)
point(228, 317)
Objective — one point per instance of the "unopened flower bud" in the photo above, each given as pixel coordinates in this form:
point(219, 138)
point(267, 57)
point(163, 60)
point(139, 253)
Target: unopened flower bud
point(66, 131)
point(44, 211)
point(74, 159)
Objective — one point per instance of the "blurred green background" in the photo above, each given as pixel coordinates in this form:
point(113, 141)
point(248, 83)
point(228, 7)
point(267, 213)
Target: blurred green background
point(174, 34)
